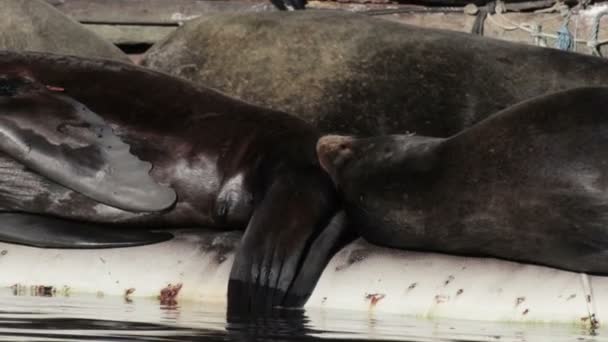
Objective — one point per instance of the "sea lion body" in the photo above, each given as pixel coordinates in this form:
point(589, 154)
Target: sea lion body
point(527, 184)
point(110, 143)
point(353, 74)
point(213, 160)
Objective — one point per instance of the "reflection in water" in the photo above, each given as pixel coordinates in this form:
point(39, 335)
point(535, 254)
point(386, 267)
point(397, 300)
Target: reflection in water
point(96, 318)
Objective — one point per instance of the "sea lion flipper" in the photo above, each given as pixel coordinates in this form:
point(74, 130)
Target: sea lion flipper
point(49, 232)
point(277, 240)
point(330, 240)
point(63, 140)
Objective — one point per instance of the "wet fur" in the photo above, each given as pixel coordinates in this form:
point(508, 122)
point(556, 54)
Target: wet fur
point(232, 165)
point(355, 74)
point(528, 184)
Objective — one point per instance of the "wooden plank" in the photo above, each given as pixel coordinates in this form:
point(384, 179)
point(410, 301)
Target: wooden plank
point(152, 12)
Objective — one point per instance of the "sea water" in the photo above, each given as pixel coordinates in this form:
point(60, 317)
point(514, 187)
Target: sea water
point(40, 316)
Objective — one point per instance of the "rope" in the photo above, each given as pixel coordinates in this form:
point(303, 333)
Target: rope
point(590, 301)
point(412, 9)
point(529, 28)
point(539, 39)
point(593, 42)
point(480, 19)
point(564, 37)
point(575, 33)
point(504, 27)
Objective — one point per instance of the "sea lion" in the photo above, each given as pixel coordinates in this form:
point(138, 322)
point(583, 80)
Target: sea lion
point(527, 184)
point(115, 145)
point(35, 25)
point(356, 75)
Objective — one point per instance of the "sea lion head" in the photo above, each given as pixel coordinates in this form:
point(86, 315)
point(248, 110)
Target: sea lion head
point(380, 176)
point(333, 152)
point(348, 159)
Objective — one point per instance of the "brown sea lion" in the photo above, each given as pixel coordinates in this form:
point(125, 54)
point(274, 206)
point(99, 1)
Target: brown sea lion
point(529, 184)
point(113, 146)
point(353, 74)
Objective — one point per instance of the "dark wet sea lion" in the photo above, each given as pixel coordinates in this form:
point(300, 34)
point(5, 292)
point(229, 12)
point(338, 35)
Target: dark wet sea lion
point(529, 184)
point(112, 144)
point(352, 74)
point(35, 25)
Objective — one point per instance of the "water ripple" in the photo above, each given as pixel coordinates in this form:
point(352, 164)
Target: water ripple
point(92, 318)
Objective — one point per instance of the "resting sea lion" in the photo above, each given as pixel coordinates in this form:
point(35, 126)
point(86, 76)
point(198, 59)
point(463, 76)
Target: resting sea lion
point(110, 144)
point(356, 75)
point(530, 184)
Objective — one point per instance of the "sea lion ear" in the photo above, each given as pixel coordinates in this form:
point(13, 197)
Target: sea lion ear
point(61, 139)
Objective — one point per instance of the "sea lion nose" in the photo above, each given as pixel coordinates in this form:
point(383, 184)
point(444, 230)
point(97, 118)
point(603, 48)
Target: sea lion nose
point(332, 150)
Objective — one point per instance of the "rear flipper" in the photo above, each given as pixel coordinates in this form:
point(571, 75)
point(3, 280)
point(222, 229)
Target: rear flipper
point(286, 245)
point(330, 241)
point(49, 232)
point(62, 140)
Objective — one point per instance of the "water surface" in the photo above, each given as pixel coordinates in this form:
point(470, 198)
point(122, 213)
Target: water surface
point(25, 317)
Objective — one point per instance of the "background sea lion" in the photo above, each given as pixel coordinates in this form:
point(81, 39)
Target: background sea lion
point(112, 144)
point(35, 25)
point(527, 184)
point(353, 74)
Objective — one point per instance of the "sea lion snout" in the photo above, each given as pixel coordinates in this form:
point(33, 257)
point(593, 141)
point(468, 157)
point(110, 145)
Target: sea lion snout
point(333, 151)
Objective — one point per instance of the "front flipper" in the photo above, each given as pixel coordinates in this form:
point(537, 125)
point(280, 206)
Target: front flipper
point(63, 140)
point(49, 232)
point(282, 234)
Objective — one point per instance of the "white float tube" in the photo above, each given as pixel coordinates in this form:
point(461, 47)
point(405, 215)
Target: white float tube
point(196, 264)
